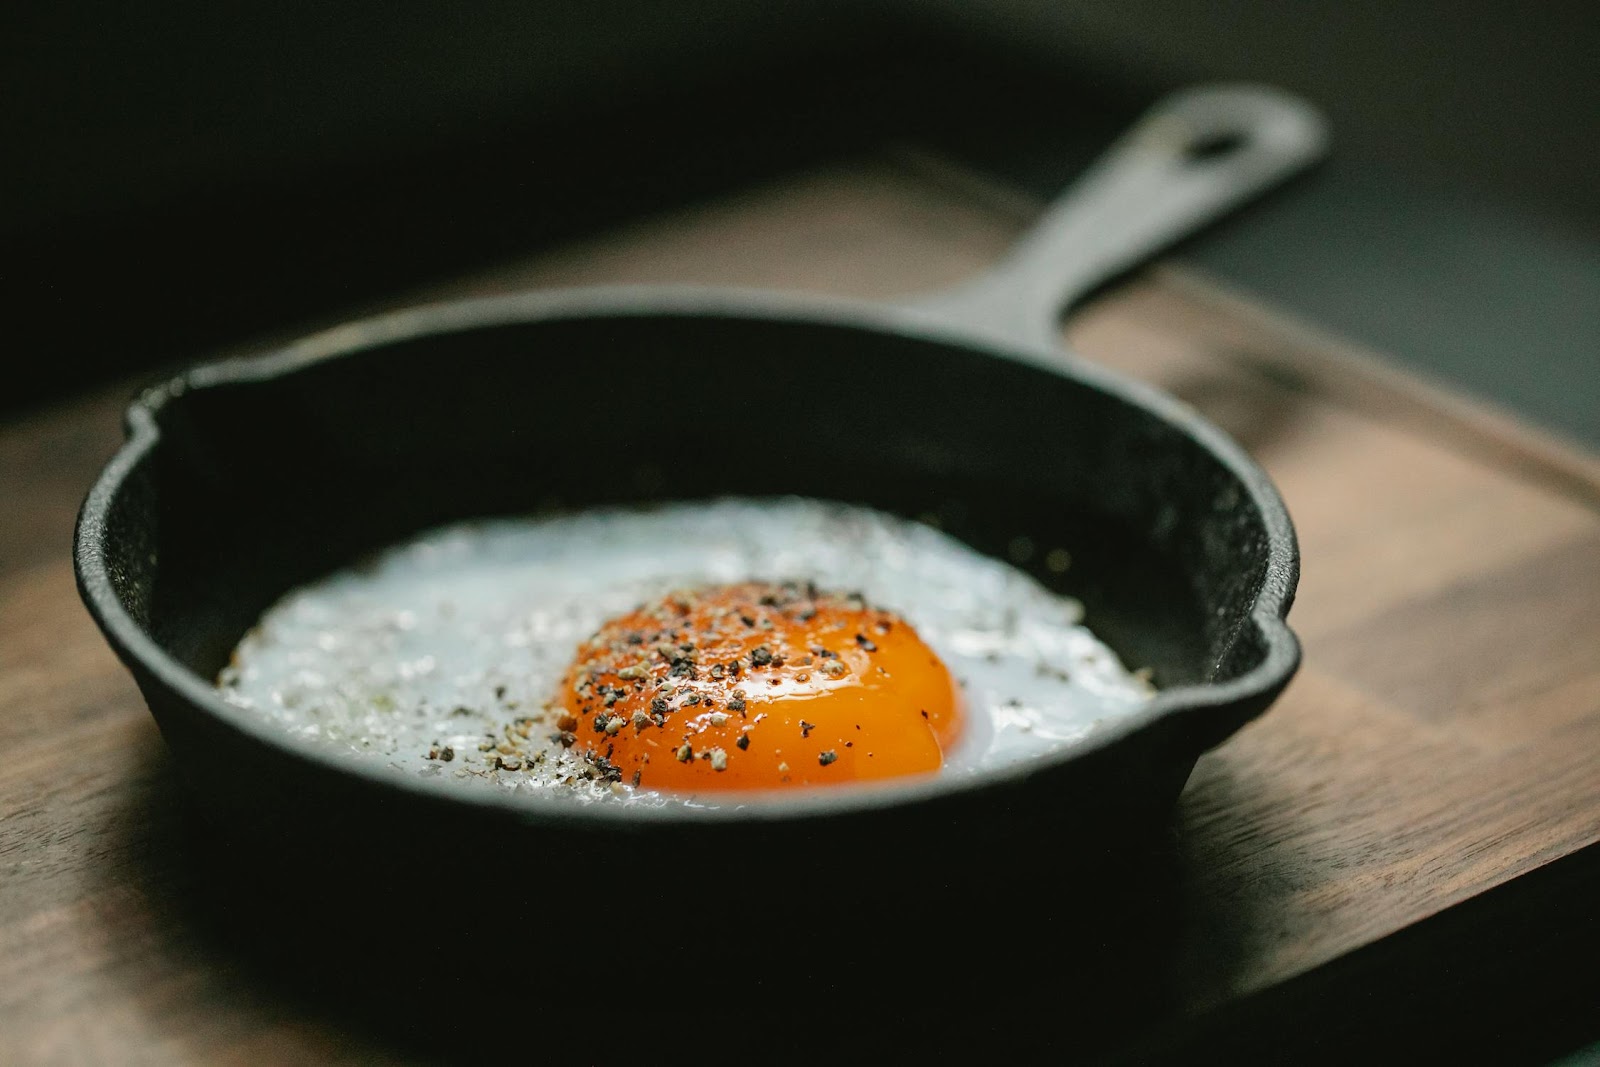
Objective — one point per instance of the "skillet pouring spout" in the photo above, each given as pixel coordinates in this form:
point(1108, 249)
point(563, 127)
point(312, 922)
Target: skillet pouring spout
point(961, 406)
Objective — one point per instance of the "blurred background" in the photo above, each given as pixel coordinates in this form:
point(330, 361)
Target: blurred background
point(186, 176)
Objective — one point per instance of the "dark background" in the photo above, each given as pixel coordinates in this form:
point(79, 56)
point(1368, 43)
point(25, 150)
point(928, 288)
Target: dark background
point(183, 176)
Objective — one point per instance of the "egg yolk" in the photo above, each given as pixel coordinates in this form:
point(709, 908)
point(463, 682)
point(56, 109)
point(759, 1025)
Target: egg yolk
point(758, 686)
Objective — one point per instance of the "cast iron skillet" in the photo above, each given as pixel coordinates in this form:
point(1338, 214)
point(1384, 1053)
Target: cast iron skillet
point(242, 479)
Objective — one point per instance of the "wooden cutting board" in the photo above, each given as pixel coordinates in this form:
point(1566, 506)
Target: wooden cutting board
point(1441, 744)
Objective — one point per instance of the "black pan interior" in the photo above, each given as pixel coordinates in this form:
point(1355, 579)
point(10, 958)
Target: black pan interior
point(259, 485)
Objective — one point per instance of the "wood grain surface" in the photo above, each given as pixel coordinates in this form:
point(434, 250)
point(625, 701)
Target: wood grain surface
point(1441, 741)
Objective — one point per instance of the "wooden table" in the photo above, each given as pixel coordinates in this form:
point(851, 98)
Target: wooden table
point(1423, 801)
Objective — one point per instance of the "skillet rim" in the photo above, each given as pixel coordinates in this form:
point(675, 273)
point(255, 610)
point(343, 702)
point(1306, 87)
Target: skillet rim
point(1207, 712)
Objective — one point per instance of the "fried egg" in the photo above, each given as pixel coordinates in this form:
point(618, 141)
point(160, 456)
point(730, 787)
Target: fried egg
point(682, 651)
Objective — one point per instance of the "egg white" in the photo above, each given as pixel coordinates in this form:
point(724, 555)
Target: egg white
point(441, 641)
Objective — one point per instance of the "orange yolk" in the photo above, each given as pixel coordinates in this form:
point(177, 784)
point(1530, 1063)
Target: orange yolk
point(758, 686)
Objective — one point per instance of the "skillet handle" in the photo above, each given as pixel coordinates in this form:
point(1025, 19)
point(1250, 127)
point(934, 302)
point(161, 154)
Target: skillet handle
point(1194, 157)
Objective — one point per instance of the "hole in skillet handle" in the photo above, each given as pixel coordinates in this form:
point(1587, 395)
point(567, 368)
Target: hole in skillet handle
point(1209, 147)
